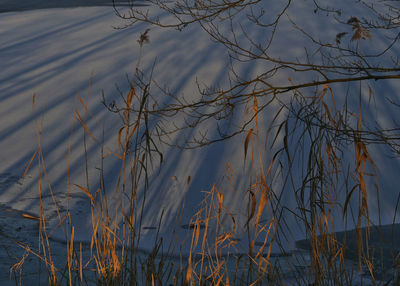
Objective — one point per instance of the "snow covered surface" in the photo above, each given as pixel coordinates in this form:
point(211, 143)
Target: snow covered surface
point(59, 53)
point(12, 6)
point(56, 58)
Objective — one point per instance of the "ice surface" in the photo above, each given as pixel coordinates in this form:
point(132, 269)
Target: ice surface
point(12, 6)
point(54, 54)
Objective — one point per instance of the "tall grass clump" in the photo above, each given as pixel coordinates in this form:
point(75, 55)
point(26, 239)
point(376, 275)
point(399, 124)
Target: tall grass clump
point(315, 151)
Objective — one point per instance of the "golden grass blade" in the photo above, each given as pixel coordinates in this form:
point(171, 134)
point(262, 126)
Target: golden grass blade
point(71, 252)
point(27, 216)
point(189, 272)
point(71, 243)
point(87, 193)
point(220, 200)
point(110, 152)
point(80, 265)
point(94, 236)
point(255, 109)
point(261, 205)
point(84, 105)
point(227, 281)
point(131, 94)
point(219, 280)
point(197, 233)
point(84, 125)
point(328, 113)
point(30, 163)
point(133, 130)
point(261, 250)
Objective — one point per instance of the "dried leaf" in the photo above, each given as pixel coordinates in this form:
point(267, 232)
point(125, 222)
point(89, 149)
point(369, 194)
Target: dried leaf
point(30, 217)
point(348, 200)
point(285, 140)
point(255, 105)
point(197, 232)
point(131, 94)
point(253, 207)
point(86, 192)
point(261, 205)
point(119, 138)
point(189, 273)
point(133, 130)
point(246, 142)
point(29, 165)
point(220, 200)
point(328, 112)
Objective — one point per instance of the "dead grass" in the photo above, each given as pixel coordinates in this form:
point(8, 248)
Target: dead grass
point(315, 137)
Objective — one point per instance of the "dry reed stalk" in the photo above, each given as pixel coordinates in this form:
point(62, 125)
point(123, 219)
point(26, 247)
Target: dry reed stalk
point(116, 234)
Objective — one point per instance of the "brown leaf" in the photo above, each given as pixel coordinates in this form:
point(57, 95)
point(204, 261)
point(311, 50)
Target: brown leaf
point(262, 204)
point(86, 192)
point(253, 207)
point(246, 142)
point(30, 217)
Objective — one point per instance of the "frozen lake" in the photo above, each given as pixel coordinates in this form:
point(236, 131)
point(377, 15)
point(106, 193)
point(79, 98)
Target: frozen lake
point(57, 54)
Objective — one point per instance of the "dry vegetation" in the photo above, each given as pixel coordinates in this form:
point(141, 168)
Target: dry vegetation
point(115, 259)
point(331, 149)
